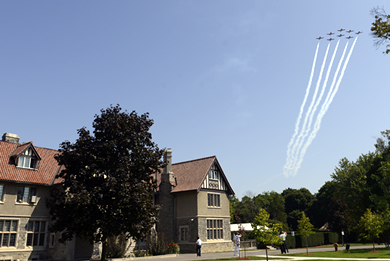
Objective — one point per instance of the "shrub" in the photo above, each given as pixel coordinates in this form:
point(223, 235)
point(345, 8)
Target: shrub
point(117, 246)
point(156, 243)
point(140, 253)
point(173, 248)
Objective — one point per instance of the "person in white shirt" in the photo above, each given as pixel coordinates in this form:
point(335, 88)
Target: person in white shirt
point(282, 237)
point(198, 246)
point(236, 240)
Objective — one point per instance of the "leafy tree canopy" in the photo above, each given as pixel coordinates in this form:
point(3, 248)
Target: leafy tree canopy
point(305, 228)
point(108, 184)
point(381, 27)
point(264, 231)
point(371, 224)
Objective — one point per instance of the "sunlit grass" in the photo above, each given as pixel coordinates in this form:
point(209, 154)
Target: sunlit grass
point(353, 253)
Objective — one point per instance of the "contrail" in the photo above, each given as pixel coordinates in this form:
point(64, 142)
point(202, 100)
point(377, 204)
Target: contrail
point(326, 104)
point(287, 165)
point(299, 148)
point(298, 143)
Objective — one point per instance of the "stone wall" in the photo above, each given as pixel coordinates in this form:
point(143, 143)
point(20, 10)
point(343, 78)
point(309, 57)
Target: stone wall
point(207, 247)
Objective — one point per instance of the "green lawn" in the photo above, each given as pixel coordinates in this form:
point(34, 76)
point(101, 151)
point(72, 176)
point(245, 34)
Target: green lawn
point(260, 258)
point(357, 253)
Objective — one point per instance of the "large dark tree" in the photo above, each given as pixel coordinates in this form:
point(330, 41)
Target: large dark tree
point(273, 203)
point(297, 199)
point(318, 212)
point(107, 180)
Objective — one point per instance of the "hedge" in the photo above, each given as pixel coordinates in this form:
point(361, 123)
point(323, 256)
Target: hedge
point(317, 239)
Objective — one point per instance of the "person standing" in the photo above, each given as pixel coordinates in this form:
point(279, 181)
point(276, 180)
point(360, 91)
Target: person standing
point(198, 246)
point(285, 242)
point(236, 240)
point(282, 237)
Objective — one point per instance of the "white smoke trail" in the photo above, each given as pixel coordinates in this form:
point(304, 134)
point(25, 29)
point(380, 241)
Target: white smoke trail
point(296, 129)
point(318, 101)
point(326, 105)
point(334, 80)
point(305, 129)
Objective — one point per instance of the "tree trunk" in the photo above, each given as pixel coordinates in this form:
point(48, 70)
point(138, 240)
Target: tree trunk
point(373, 245)
point(307, 249)
point(266, 252)
point(104, 249)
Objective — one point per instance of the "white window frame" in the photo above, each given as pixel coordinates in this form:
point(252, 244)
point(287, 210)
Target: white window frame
point(24, 194)
point(213, 174)
point(27, 160)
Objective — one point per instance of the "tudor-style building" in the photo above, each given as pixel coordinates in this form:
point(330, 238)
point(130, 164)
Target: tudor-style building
point(194, 196)
point(27, 173)
point(195, 202)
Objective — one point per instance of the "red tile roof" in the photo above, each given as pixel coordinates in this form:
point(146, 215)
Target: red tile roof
point(191, 174)
point(44, 175)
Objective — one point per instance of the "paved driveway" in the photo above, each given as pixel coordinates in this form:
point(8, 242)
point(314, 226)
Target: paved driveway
point(190, 257)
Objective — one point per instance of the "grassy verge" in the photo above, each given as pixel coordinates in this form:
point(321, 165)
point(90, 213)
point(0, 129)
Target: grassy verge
point(263, 258)
point(354, 253)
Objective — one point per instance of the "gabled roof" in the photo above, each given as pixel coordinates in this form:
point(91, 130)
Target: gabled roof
point(190, 175)
point(22, 147)
point(44, 175)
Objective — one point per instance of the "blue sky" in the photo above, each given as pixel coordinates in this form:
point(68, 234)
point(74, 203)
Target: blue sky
point(224, 78)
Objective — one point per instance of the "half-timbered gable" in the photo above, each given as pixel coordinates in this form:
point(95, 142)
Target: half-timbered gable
point(216, 179)
point(195, 202)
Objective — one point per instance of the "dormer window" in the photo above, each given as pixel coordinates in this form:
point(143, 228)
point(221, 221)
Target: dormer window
point(27, 159)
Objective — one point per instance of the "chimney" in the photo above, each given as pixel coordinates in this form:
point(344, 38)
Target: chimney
point(167, 175)
point(9, 137)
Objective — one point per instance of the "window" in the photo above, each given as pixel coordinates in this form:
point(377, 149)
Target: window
point(28, 159)
point(184, 235)
point(213, 200)
point(213, 173)
point(8, 233)
point(214, 229)
point(1, 192)
point(36, 231)
point(26, 195)
point(52, 240)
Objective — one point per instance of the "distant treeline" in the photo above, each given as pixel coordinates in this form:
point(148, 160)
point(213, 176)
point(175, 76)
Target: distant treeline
point(355, 186)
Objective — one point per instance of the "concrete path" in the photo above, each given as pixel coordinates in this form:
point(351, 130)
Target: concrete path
point(271, 253)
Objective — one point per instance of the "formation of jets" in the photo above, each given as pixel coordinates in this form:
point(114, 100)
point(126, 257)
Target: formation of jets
point(340, 35)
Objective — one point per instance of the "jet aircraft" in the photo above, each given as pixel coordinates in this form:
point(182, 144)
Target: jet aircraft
point(330, 39)
point(330, 33)
point(349, 31)
point(349, 37)
point(340, 35)
point(359, 32)
point(341, 30)
point(319, 38)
